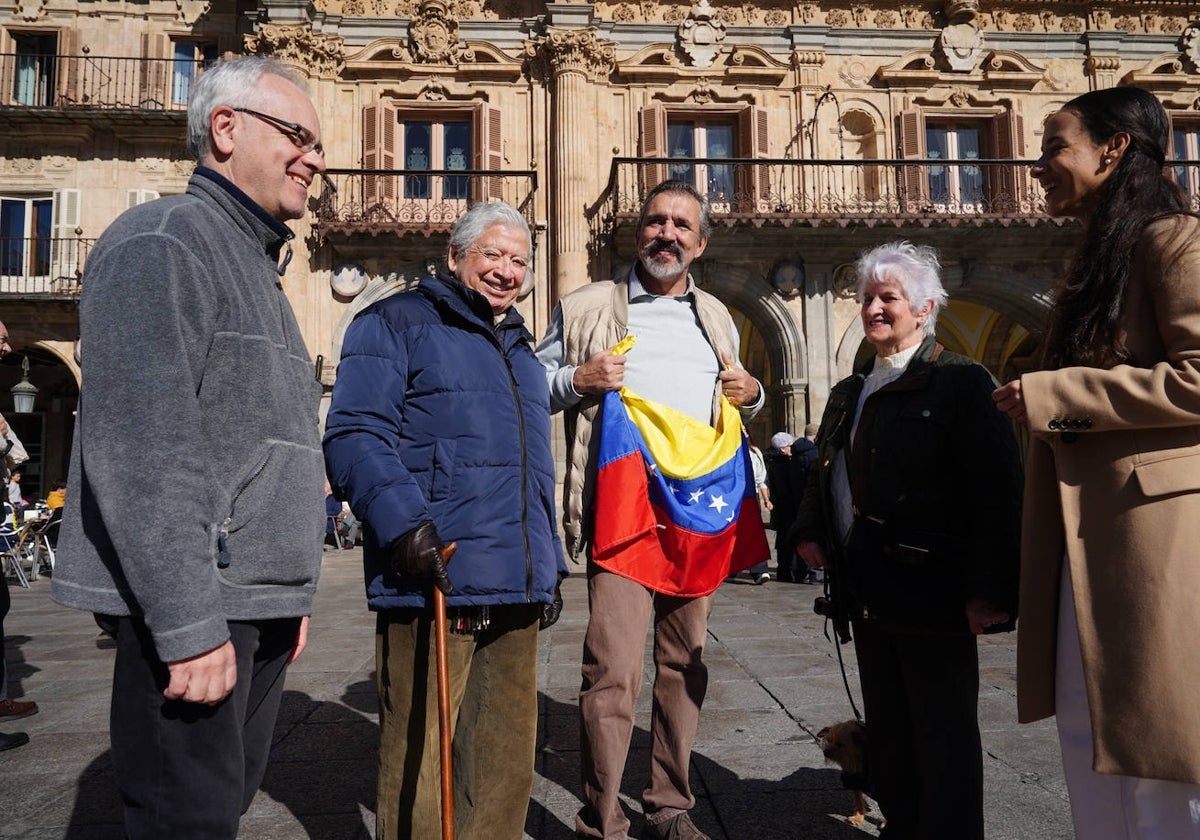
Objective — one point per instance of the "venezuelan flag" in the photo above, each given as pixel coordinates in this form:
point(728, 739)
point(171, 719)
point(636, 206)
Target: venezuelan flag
point(676, 507)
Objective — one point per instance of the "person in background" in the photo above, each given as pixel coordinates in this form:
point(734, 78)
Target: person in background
point(198, 395)
point(919, 565)
point(1112, 506)
point(759, 571)
point(777, 460)
point(439, 434)
point(13, 489)
point(56, 497)
point(803, 457)
point(12, 454)
point(335, 529)
point(686, 359)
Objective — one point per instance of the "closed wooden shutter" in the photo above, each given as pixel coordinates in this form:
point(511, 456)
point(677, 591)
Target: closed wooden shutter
point(157, 52)
point(654, 145)
point(754, 182)
point(379, 153)
point(913, 180)
point(64, 250)
point(489, 151)
point(69, 65)
point(1008, 187)
point(8, 67)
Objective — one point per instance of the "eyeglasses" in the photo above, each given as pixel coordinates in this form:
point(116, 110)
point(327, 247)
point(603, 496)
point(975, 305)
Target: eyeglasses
point(494, 256)
point(301, 137)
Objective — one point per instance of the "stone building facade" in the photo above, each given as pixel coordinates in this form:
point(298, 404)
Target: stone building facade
point(818, 129)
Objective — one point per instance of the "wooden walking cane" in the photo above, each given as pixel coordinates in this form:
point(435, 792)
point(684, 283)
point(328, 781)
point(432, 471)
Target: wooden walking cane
point(443, 690)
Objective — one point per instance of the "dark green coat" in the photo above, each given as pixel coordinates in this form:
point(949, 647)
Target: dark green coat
point(936, 481)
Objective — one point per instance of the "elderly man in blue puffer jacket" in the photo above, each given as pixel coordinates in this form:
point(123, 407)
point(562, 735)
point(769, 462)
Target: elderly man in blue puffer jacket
point(439, 432)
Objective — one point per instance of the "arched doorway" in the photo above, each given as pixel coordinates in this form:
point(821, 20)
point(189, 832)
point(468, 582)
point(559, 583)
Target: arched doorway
point(772, 345)
point(47, 431)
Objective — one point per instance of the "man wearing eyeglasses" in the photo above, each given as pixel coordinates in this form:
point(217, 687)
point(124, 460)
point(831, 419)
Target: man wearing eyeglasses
point(198, 395)
point(439, 433)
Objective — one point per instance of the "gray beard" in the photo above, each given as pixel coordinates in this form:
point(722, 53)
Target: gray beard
point(661, 271)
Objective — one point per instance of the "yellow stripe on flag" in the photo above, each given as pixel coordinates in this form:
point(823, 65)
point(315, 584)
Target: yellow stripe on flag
point(682, 446)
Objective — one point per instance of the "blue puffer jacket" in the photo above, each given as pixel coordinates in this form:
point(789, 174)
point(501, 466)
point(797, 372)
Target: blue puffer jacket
point(437, 415)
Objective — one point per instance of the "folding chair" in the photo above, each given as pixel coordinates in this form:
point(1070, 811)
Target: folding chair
point(10, 548)
point(47, 541)
point(27, 546)
point(334, 524)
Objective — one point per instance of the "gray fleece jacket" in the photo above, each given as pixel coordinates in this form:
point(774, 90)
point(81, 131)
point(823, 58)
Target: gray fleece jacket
point(195, 493)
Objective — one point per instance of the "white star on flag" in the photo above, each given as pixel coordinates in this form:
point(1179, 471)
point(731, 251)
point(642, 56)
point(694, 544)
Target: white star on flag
point(719, 503)
point(696, 497)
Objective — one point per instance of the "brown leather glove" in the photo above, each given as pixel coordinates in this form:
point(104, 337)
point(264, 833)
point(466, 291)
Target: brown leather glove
point(551, 611)
point(418, 554)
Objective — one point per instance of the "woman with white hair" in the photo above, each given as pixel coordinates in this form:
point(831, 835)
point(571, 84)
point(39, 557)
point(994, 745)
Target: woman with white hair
point(914, 507)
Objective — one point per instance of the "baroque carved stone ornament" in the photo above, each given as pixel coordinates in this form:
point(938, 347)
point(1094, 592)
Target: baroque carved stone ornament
point(961, 46)
point(31, 9)
point(1191, 45)
point(701, 34)
point(320, 54)
point(433, 34)
point(188, 12)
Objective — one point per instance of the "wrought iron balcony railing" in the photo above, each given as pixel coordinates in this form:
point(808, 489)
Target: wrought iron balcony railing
point(407, 201)
point(848, 191)
point(41, 266)
point(95, 81)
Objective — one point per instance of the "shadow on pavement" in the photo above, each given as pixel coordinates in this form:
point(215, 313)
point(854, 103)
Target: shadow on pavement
point(808, 802)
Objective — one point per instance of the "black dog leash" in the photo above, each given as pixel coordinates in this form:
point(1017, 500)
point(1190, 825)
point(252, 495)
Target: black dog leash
point(837, 646)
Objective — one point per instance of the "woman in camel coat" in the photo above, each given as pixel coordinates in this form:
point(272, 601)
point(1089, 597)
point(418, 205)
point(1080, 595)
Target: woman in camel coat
point(1110, 566)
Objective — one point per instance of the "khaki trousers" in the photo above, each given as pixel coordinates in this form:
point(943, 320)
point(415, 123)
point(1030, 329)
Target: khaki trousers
point(612, 679)
point(493, 711)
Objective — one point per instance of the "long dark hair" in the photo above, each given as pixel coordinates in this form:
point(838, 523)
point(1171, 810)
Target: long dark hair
point(1084, 326)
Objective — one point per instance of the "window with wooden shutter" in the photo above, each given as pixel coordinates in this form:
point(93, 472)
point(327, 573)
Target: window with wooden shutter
point(696, 143)
point(955, 187)
point(654, 145)
point(135, 197)
point(32, 79)
point(26, 241)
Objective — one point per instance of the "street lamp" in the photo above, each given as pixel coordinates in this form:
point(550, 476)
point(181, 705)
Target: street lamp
point(24, 391)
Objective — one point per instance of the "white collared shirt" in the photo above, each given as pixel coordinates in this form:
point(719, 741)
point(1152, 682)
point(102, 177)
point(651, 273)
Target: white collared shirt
point(887, 369)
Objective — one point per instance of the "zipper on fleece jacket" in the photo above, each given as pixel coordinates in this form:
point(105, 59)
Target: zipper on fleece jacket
point(223, 556)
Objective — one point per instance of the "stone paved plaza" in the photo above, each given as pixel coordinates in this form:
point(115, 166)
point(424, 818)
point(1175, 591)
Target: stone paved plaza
point(757, 771)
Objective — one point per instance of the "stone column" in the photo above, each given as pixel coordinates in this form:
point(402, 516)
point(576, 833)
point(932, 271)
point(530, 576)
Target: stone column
point(576, 60)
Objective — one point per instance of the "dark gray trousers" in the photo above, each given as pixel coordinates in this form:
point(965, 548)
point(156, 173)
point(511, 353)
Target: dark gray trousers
point(187, 770)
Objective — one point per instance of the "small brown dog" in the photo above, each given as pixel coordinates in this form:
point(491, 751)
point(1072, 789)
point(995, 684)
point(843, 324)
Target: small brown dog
point(845, 744)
